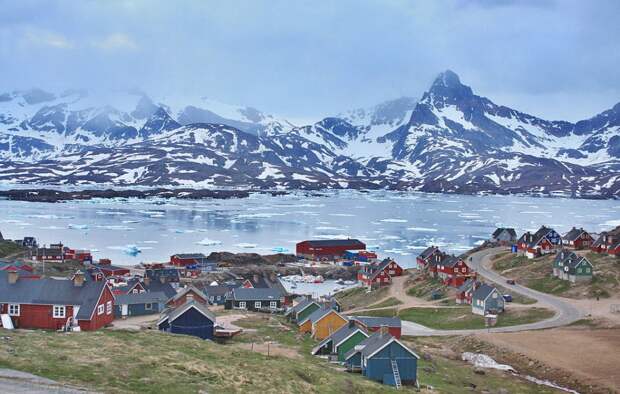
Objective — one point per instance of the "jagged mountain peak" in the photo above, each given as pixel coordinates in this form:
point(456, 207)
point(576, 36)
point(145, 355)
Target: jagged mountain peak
point(447, 87)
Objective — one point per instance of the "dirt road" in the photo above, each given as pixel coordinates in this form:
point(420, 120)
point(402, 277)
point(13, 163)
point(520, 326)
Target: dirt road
point(12, 381)
point(592, 355)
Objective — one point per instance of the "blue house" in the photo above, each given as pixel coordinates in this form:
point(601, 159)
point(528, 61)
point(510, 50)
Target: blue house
point(139, 304)
point(385, 359)
point(191, 318)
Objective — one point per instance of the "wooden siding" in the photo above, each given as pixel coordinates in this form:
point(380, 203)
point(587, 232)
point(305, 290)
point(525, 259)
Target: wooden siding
point(327, 325)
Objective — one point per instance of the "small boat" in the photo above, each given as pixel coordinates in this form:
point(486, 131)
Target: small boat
point(349, 282)
point(340, 281)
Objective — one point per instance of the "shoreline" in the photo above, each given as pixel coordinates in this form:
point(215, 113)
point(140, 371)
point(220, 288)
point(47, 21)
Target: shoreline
point(50, 195)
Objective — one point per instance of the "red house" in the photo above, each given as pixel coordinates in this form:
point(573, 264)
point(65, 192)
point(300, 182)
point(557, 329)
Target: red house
point(79, 255)
point(614, 250)
point(453, 270)
point(50, 255)
point(374, 324)
point(185, 259)
point(113, 270)
point(327, 249)
point(190, 293)
point(379, 274)
point(606, 240)
point(464, 293)
point(577, 238)
point(426, 256)
point(54, 304)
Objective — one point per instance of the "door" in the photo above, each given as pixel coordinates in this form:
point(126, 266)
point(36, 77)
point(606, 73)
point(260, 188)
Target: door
point(124, 310)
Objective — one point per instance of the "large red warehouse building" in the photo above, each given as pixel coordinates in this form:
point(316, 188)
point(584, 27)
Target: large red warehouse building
point(328, 248)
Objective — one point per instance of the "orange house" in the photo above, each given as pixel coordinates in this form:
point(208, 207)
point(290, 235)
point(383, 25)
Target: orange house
point(322, 323)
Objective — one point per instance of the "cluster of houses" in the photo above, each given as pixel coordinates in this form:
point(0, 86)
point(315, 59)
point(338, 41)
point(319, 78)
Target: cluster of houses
point(369, 345)
point(546, 241)
point(452, 270)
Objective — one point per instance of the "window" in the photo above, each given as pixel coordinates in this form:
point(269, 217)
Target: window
point(273, 304)
point(135, 291)
point(108, 308)
point(13, 309)
point(59, 311)
point(242, 304)
point(148, 307)
point(257, 305)
point(100, 309)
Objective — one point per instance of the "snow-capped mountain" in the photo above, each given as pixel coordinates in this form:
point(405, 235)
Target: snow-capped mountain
point(451, 140)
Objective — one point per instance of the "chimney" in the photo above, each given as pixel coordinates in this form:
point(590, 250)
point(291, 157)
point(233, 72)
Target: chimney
point(384, 330)
point(147, 280)
point(162, 279)
point(351, 323)
point(78, 279)
point(13, 276)
point(255, 278)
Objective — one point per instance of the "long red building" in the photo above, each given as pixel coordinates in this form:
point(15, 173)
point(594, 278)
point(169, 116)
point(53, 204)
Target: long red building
point(327, 249)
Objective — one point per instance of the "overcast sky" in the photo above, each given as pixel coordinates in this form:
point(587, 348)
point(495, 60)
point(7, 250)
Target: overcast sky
point(304, 59)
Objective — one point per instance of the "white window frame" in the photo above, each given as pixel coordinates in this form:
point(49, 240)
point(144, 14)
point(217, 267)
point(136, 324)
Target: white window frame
point(258, 304)
point(108, 308)
point(148, 306)
point(242, 305)
point(100, 309)
point(14, 309)
point(273, 304)
point(59, 311)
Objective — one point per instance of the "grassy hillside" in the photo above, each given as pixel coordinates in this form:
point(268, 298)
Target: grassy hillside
point(149, 361)
point(8, 248)
point(360, 297)
point(537, 274)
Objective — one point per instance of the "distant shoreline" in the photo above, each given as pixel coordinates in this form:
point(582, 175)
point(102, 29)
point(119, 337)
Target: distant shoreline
point(53, 196)
point(50, 195)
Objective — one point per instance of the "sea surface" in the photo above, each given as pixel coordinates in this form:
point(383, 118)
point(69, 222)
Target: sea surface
point(395, 224)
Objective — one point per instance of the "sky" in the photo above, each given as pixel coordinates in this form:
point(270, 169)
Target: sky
point(307, 59)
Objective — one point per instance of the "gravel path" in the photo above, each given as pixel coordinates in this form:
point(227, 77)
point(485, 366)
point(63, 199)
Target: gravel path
point(12, 381)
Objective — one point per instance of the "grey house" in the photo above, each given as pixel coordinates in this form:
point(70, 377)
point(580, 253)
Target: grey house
point(487, 300)
point(504, 235)
point(139, 304)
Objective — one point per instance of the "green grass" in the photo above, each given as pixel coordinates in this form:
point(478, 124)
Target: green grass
point(387, 303)
point(360, 297)
point(8, 248)
point(502, 264)
point(152, 362)
point(550, 285)
point(461, 318)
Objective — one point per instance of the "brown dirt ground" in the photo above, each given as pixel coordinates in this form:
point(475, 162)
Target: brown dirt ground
point(592, 355)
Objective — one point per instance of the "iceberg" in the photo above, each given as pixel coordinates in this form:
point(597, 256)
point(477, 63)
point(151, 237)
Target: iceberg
point(208, 242)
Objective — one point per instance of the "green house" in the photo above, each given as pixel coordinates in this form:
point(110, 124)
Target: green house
point(302, 310)
point(341, 342)
point(348, 343)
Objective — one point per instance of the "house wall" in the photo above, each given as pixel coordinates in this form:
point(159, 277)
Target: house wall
point(97, 321)
point(304, 249)
point(355, 361)
point(349, 344)
point(380, 364)
point(328, 325)
point(139, 309)
point(305, 327)
point(394, 331)
point(193, 323)
point(250, 305)
point(38, 317)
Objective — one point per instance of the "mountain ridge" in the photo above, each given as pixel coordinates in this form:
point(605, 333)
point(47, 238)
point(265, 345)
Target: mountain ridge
point(450, 140)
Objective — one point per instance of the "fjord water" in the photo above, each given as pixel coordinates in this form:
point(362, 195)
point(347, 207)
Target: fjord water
point(394, 224)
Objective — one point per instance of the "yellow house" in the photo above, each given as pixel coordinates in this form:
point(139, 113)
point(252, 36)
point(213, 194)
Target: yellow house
point(305, 326)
